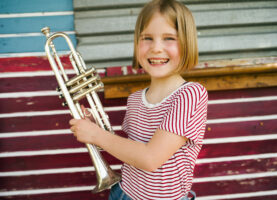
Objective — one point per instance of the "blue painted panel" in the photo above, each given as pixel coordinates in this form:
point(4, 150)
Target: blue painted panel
point(34, 24)
point(31, 44)
point(27, 6)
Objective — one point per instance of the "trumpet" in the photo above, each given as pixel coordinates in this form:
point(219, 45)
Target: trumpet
point(84, 84)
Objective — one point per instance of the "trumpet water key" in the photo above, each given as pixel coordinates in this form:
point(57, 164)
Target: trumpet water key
point(83, 85)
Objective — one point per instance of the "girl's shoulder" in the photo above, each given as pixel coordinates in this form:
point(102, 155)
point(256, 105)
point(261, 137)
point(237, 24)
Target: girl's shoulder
point(194, 85)
point(135, 96)
point(191, 89)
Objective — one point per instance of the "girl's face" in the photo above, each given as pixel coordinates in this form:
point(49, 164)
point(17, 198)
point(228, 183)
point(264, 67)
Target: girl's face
point(158, 48)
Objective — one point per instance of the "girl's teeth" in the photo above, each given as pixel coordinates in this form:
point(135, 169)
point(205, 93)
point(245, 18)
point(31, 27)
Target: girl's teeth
point(158, 61)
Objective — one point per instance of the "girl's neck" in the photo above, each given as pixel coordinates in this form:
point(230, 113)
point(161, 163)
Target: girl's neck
point(163, 87)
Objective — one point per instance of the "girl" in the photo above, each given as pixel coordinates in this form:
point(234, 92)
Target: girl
point(165, 122)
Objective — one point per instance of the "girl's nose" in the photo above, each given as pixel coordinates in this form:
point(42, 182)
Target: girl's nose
point(157, 46)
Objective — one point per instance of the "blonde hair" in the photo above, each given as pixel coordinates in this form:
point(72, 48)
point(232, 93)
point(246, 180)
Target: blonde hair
point(181, 18)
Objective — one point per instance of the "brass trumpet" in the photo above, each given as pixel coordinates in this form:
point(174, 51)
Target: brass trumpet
point(84, 85)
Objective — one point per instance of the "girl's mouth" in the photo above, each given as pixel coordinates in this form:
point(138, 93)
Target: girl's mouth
point(158, 61)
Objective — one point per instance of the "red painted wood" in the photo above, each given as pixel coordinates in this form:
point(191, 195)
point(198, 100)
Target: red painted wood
point(15, 124)
point(40, 83)
point(41, 142)
point(235, 167)
point(50, 122)
point(32, 63)
point(266, 197)
point(235, 186)
point(43, 181)
point(43, 103)
point(47, 122)
point(214, 111)
point(229, 110)
point(51, 161)
point(248, 128)
point(242, 93)
point(202, 189)
point(27, 84)
point(89, 178)
point(237, 149)
point(82, 159)
point(29, 104)
point(85, 195)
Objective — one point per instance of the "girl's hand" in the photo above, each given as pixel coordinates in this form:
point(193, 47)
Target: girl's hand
point(84, 130)
point(87, 113)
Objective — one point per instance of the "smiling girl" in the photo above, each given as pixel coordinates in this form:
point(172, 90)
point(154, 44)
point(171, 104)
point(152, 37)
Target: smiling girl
point(165, 122)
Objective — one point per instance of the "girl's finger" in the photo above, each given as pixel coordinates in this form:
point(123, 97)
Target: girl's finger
point(72, 129)
point(72, 122)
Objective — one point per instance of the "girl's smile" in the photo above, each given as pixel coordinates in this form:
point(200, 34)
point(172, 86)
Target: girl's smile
point(158, 48)
point(157, 61)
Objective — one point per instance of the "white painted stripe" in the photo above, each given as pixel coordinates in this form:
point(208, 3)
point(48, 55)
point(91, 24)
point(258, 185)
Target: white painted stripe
point(115, 108)
point(120, 108)
point(18, 55)
point(43, 152)
point(236, 158)
point(234, 177)
point(36, 14)
point(118, 167)
point(32, 74)
point(35, 133)
point(53, 171)
point(53, 112)
point(89, 188)
point(40, 73)
point(240, 195)
point(240, 139)
point(36, 113)
point(242, 100)
point(46, 191)
point(43, 133)
point(28, 94)
point(31, 34)
point(241, 119)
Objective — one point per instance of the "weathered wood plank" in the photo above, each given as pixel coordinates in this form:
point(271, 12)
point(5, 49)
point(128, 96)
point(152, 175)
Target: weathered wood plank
point(201, 188)
point(122, 50)
point(213, 79)
point(30, 64)
point(228, 168)
point(84, 195)
point(22, 44)
point(88, 177)
point(124, 20)
point(235, 186)
point(193, 4)
point(25, 163)
point(44, 103)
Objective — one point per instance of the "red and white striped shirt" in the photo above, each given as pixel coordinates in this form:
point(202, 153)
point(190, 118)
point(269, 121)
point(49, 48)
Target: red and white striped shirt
point(184, 113)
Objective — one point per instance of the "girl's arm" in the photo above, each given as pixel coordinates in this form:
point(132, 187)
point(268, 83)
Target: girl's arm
point(147, 156)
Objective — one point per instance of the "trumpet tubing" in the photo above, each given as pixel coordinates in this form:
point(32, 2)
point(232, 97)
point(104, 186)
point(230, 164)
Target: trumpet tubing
point(84, 85)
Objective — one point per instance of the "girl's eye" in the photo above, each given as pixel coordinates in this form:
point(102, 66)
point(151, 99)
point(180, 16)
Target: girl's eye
point(146, 38)
point(169, 38)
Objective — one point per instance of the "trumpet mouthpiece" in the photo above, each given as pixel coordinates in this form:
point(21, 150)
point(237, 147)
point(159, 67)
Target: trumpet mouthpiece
point(46, 31)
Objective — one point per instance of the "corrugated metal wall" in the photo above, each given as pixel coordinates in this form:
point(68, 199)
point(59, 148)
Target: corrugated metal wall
point(226, 29)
